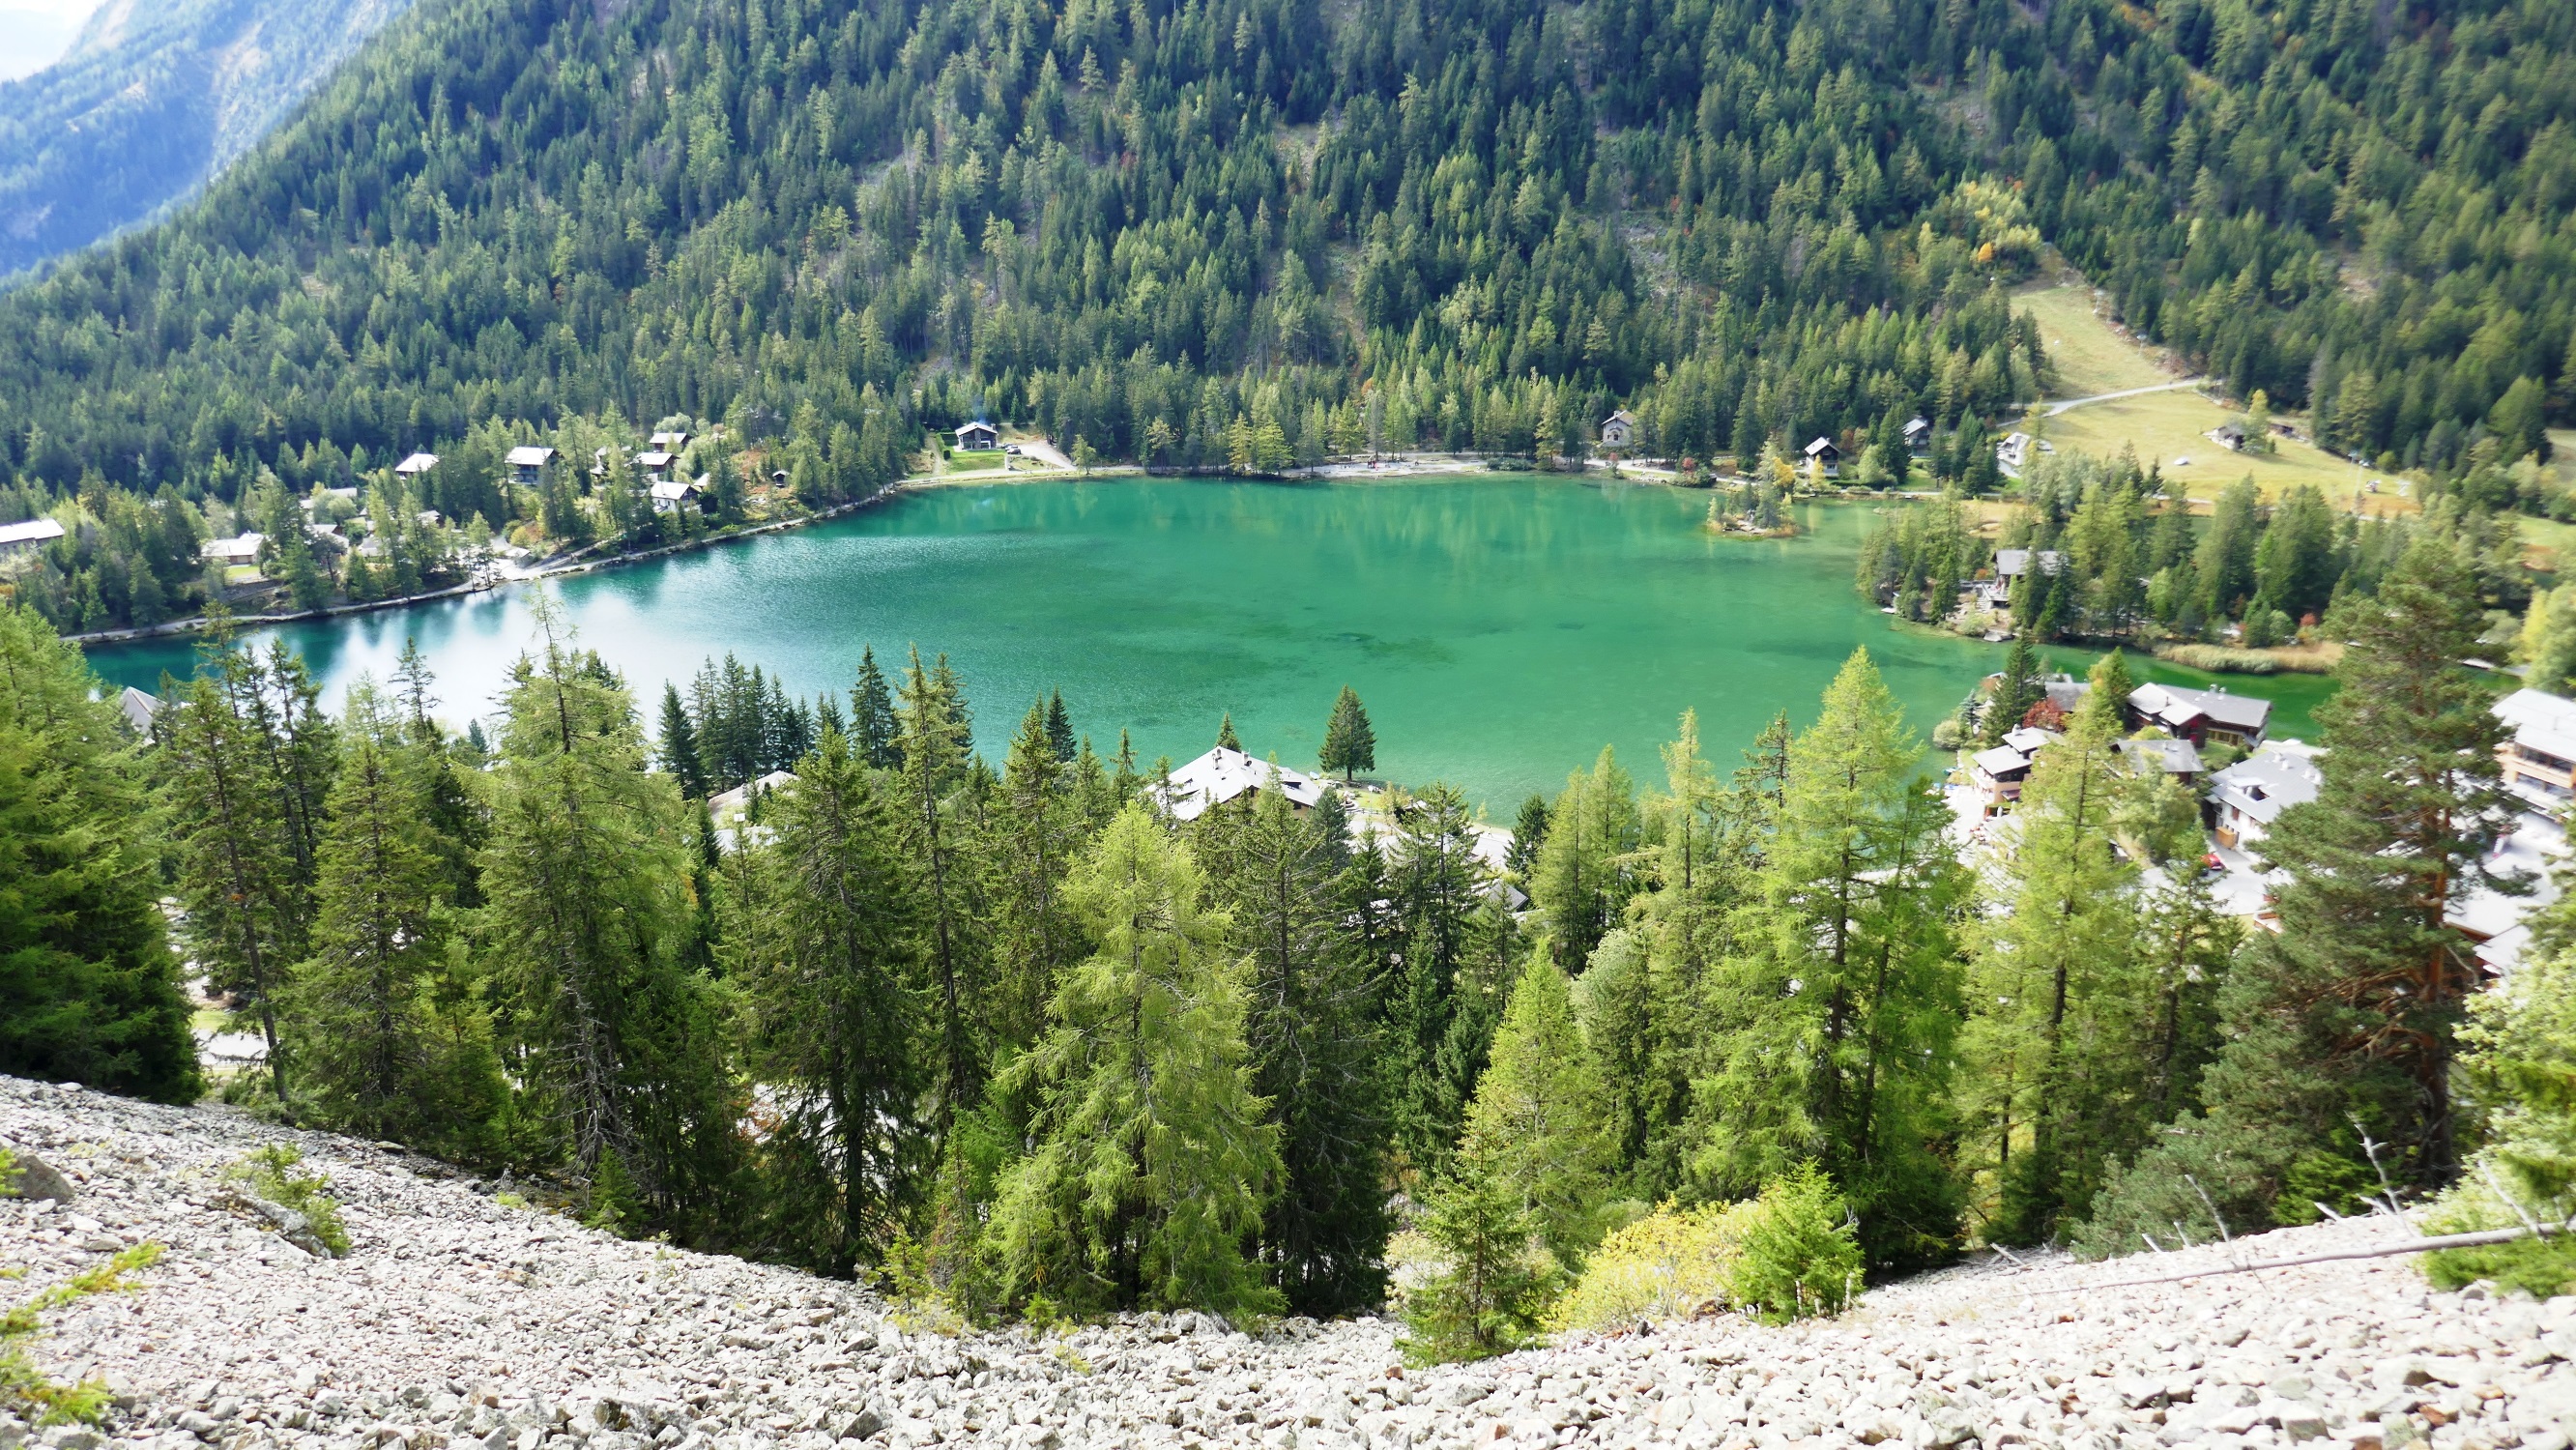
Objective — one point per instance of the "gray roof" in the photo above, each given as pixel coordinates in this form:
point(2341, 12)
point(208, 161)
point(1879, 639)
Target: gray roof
point(531, 457)
point(2001, 761)
point(2177, 757)
point(2542, 721)
point(417, 463)
point(2012, 563)
point(2173, 705)
point(33, 531)
point(2269, 781)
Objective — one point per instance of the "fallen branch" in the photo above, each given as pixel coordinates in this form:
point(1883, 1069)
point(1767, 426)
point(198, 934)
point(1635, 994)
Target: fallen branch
point(2409, 1246)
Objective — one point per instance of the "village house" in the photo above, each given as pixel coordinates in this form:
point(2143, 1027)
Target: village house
point(240, 549)
point(1224, 775)
point(1918, 437)
point(2229, 435)
point(2177, 758)
point(2012, 454)
point(1618, 432)
point(139, 710)
point(28, 537)
point(2248, 797)
point(2011, 564)
point(655, 463)
point(2540, 760)
point(1824, 460)
point(416, 465)
point(673, 494)
point(671, 442)
point(977, 437)
point(1996, 776)
point(2201, 716)
point(528, 465)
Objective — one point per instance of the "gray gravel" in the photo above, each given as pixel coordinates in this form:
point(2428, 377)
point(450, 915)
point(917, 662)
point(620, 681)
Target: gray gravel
point(455, 1319)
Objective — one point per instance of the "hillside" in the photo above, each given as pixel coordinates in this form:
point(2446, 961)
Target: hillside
point(152, 100)
point(1170, 230)
point(457, 1317)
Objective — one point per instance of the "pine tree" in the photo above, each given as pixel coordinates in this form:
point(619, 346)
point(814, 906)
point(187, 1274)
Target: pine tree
point(89, 991)
point(1151, 1159)
point(387, 1044)
point(2348, 1015)
point(873, 729)
point(679, 745)
point(1832, 1031)
point(1225, 733)
point(838, 1031)
point(1350, 745)
point(1318, 1056)
point(1495, 1283)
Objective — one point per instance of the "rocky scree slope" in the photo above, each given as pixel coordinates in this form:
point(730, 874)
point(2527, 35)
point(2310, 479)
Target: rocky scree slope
point(456, 1319)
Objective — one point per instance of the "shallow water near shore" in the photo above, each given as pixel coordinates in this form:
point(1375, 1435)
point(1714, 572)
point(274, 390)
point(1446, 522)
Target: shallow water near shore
point(1501, 628)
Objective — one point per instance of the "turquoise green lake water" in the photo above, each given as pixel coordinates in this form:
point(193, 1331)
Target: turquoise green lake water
point(1501, 628)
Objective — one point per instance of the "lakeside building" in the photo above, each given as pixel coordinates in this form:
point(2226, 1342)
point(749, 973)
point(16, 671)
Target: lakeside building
point(139, 710)
point(240, 549)
point(2247, 798)
point(1996, 776)
point(2201, 716)
point(416, 465)
point(1619, 432)
point(978, 437)
point(1824, 460)
point(1223, 775)
point(2540, 760)
point(528, 465)
point(1918, 436)
point(28, 537)
point(2177, 758)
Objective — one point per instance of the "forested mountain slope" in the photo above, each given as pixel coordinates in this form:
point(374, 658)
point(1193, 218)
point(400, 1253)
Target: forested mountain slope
point(1438, 223)
point(153, 98)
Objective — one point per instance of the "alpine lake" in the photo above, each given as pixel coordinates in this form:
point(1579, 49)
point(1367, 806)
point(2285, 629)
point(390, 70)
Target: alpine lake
point(1502, 628)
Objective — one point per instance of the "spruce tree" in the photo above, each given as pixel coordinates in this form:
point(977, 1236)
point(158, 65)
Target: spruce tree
point(1438, 883)
point(1151, 1159)
point(829, 973)
point(873, 730)
point(1035, 836)
point(387, 1044)
point(89, 990)
point(679, 746)
point(936, 763)
point(1225, 733)
point(1318, 1056)
point(1350, 745)
point(1832, 1027)
point(1059, 728)
point(2016, 690)
point(586, 925)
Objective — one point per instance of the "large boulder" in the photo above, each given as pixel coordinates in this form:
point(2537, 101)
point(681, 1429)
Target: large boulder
point(34, 1178)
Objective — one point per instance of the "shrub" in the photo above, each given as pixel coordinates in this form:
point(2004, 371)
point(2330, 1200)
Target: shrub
point(271, 1174)
point(1798, 1255)
point(25, 1390)
point(1665, 1266)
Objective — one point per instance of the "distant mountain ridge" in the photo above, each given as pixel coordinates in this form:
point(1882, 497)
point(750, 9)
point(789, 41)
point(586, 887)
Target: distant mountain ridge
point(152, 100)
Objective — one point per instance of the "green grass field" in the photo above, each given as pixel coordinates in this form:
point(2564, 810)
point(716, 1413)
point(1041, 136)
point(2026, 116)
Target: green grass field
point(963, 461)
point(2090, 357)
point(2166, 428)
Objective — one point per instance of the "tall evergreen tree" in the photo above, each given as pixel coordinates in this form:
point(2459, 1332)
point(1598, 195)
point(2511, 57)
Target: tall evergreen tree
point(1225, 733)
point(2016, 690)
point(1540, 1119)
point(586, 921)
point(88, 988)
point(1438, 884)
point(1832, 1031)
point(1059, 728)
point(679, 745)
point(1318, 1056)
point(1036, 836)
point(1350, 743)
point(1151, 1159)
point(388, 1045)
point(830, 977)
point(1586, 867)
point(937, 760)
point(873, 729)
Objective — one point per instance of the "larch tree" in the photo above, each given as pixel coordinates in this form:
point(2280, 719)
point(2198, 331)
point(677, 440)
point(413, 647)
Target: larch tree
point(1539, 1123)
point(1832, 1028)
point(1151, 1155)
